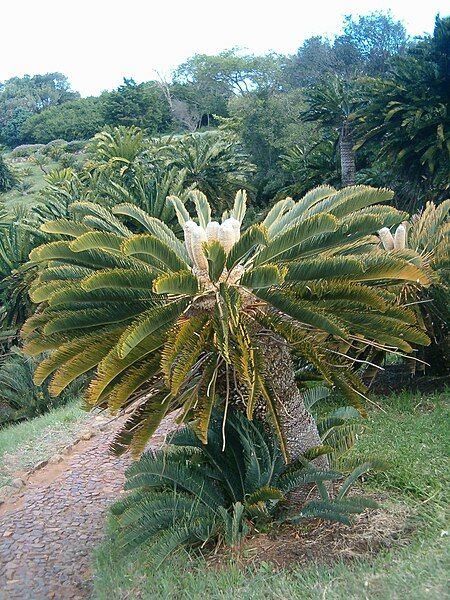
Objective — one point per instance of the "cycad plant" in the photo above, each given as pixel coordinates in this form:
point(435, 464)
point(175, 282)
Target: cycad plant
point(190, 493)
point(20, 398)
point(213, 320)
point(332, 102)
point(427, 234)
point(213, 162)
point(16, 243)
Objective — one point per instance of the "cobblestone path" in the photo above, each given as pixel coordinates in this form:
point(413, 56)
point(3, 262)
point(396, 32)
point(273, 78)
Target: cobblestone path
point(46, 540)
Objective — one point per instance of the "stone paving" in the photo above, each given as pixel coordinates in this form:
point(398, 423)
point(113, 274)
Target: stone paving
point(46, 540)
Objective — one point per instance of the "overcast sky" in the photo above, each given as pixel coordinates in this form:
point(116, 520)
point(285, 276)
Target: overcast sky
point(98, 42)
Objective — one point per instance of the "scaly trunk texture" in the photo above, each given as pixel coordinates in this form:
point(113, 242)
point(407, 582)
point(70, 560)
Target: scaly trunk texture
point(348, 168)
point(299, 427)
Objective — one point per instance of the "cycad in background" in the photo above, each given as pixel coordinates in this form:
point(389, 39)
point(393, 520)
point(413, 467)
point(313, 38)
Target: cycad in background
point(20, 398)
point(215, 319)
point(427, 234)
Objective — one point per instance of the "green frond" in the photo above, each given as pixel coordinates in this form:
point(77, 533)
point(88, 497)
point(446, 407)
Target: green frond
point(154, 226)
point(252, 238)
point(317, 451)
point(101, 216)
point(195, 530)
point(370, 267)
point(277, 211)
point(201, 206)
point(264, 494)
point(154, 471)
point(207, 388)
point(135, 377)
point(216, 257)
point(65, 227)
point(352, 390)
point(112, 368)
point(188, 353)
point(239, 206)
point(176, 284)
point(97, 239)
point(249, 366)
point(352, 199)
point(137, 279)
point(352, 231)
point(351, 479)
point(63, 272)
point(342, 439)
point(385, 330)
point(304, 312)
point(180, 210)
point(313, 395)
point(142, 424)
point(292, 237)
point(94, 317)
point(335, 293)
point(75, 348)
point(293, 479)
point(34, 323)
point(265, 276)
point(322, 509)
point(78, 298)
point(180, 335)
point(300, 209)
point(149, 322)
point(83, 362)
point(40, 292)
point(95, 259)
point(149, 245)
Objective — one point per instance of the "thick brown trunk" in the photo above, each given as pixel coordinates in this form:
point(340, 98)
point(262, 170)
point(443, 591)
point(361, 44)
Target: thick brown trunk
point(348, 168)
point(299, 427)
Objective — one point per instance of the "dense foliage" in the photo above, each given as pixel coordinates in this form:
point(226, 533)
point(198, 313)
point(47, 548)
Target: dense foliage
point(168, 325)
point(7, 177)
point(189, 493)
point(371, 89)
point(20, 398)
point(407, 115)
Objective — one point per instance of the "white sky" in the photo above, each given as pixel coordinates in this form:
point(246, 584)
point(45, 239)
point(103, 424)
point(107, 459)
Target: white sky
point(98, 42)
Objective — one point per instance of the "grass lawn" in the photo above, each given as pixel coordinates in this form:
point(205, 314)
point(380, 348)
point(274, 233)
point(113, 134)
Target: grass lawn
point(413, 437)
point(25, 444)
point(26, 193)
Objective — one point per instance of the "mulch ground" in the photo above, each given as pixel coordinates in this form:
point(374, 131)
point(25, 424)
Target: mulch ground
point(327, 543)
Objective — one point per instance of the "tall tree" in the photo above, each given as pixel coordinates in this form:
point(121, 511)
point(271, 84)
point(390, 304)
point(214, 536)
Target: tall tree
point(332, 103)
point(21, 97)
point(369, 42)
point(142, 105)
point(209, 82)
point(406, 116)
point(171, 325)
point(78, 119)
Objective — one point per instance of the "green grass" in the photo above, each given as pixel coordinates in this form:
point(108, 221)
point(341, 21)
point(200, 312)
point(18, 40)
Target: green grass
point(412, 436)
point(24, 445)
point(31, 181)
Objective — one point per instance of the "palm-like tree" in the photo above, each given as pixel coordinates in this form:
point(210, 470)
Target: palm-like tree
point(332, 102)
point(169, 324)
point(407, 115)
point(213, 162)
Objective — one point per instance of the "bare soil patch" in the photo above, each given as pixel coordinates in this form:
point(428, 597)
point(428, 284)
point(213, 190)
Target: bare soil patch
point(323, 542)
